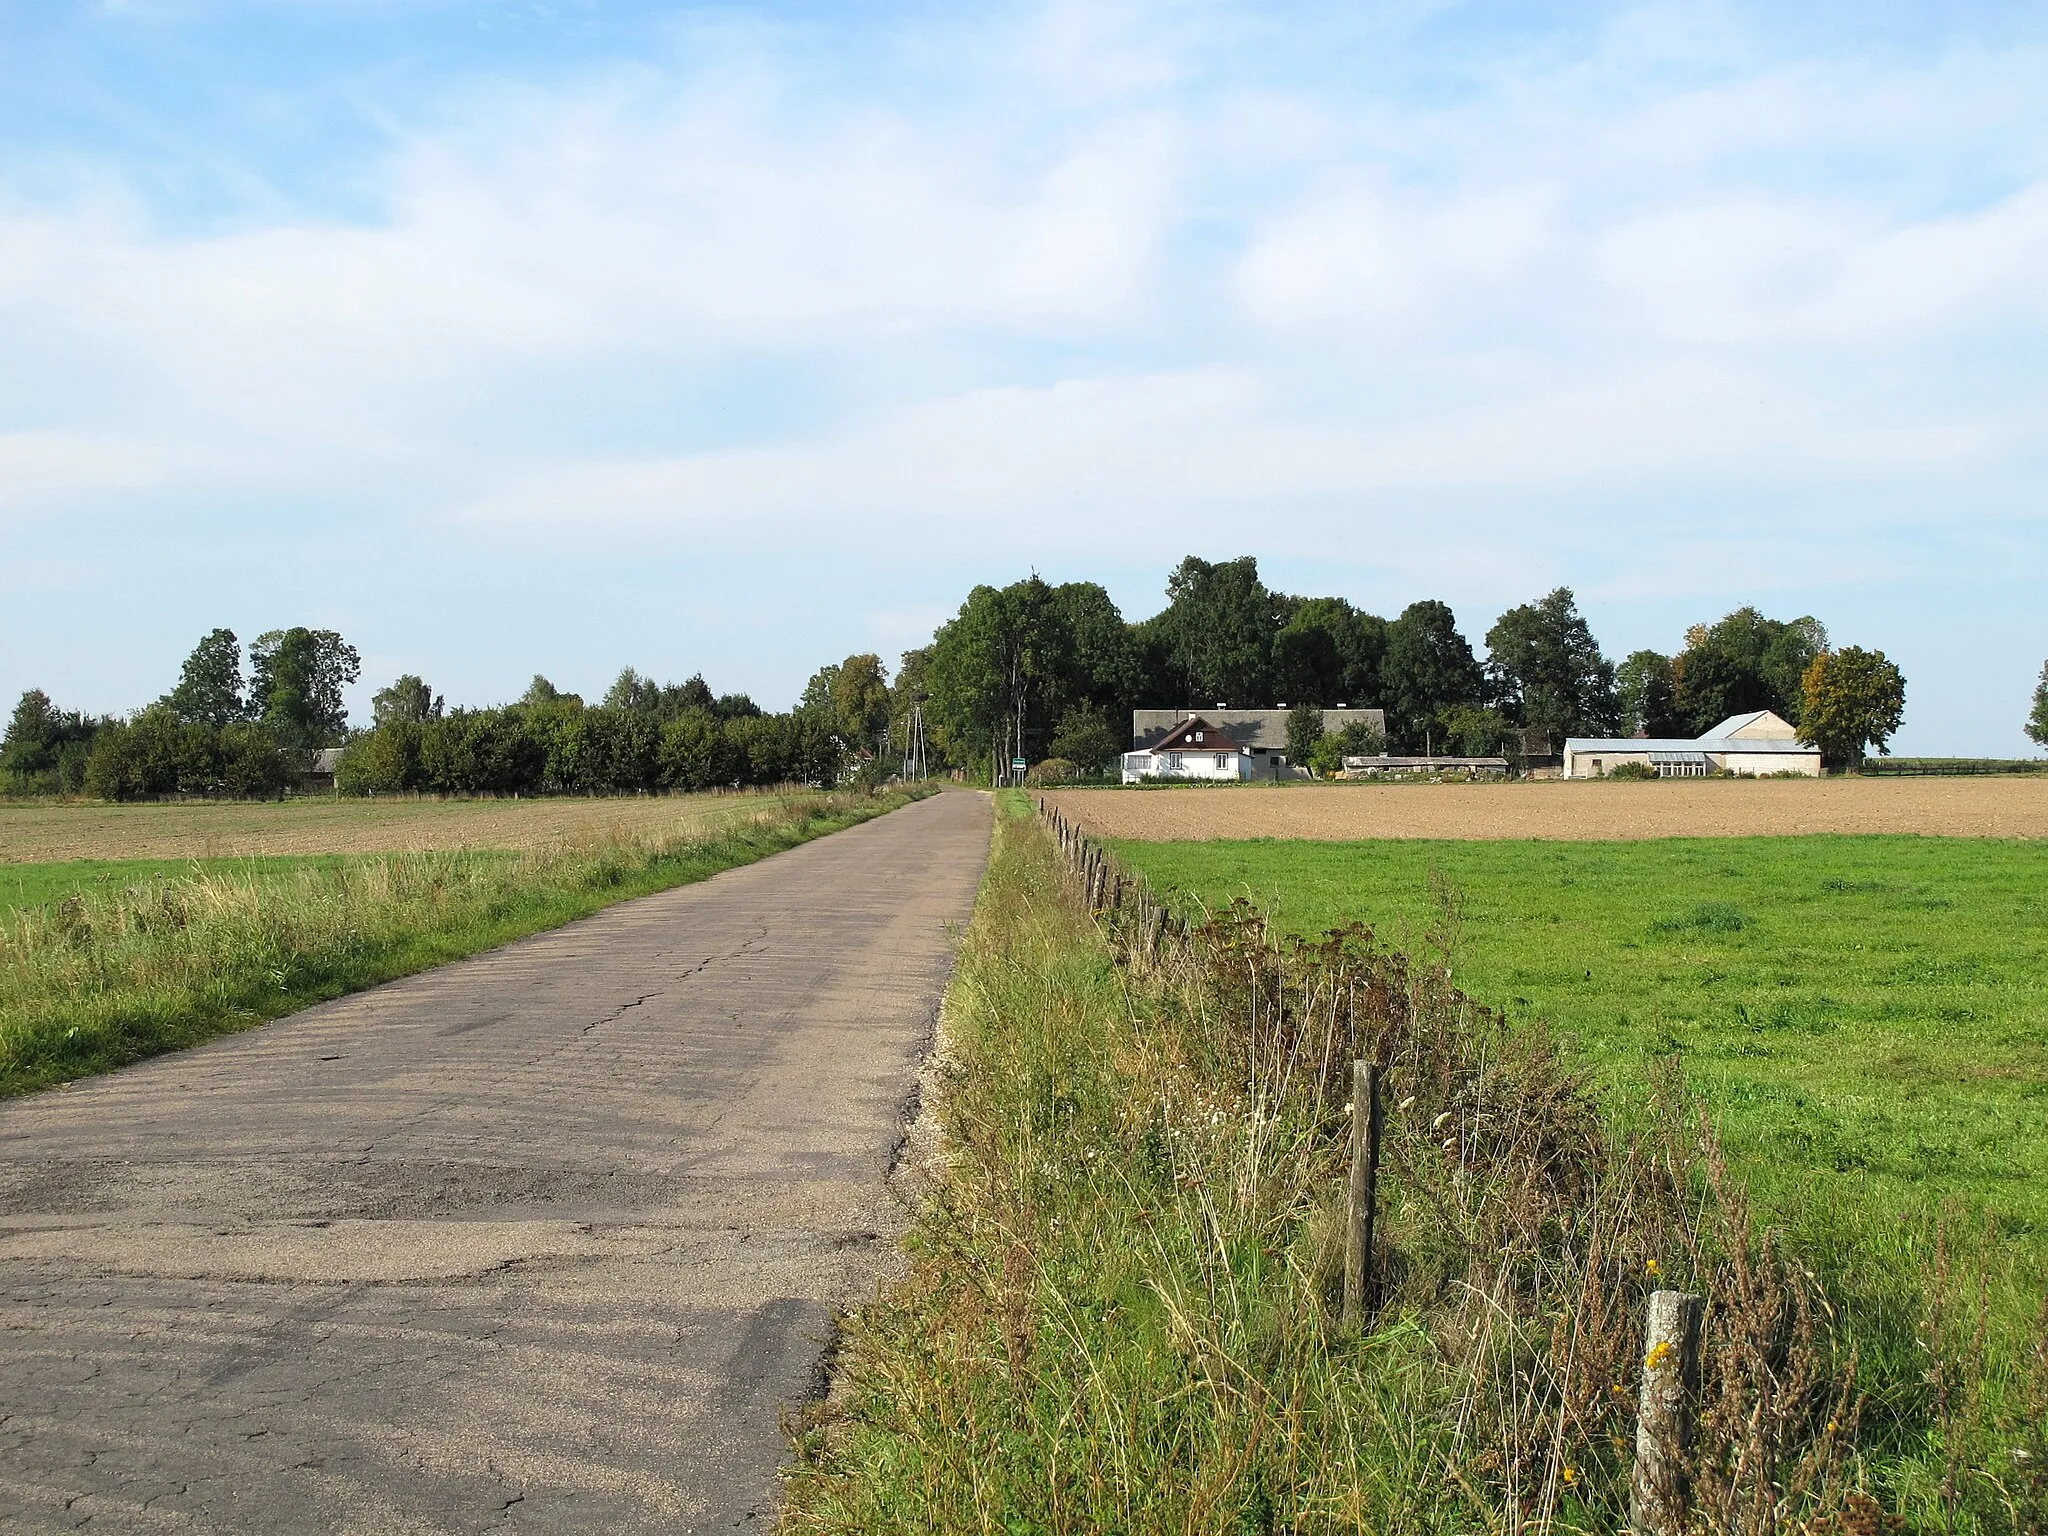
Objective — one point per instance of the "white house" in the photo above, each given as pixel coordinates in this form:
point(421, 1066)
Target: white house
point(1748, 745)
point(1263, 732)
point(1195, 749)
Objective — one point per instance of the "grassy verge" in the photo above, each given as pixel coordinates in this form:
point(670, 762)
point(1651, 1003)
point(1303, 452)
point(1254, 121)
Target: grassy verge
point(1119, 1314)
point(106, 975)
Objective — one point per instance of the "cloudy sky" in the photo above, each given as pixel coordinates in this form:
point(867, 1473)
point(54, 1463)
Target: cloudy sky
point(517, 337)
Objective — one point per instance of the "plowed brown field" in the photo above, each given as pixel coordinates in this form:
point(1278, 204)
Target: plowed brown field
point(1581, 811)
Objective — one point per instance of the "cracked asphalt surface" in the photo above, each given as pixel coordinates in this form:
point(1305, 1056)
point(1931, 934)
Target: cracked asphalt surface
point(544, 1240)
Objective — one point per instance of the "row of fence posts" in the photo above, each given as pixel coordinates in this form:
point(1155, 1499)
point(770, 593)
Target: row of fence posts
point(1137, 922)
point(1141, 925)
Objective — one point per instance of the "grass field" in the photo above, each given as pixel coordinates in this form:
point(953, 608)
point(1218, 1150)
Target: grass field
point(1867, 1012)
point(102, 962)
point(1596, 810)
point(40, 832)
point(36, 885)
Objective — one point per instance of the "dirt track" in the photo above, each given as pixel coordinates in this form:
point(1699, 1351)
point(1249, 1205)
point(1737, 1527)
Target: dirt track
point(1574, 812)
point(542, 1240)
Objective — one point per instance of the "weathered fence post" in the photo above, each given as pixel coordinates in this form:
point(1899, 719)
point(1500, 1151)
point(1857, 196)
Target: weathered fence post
point(1363, 1194)
point(1657, 1491)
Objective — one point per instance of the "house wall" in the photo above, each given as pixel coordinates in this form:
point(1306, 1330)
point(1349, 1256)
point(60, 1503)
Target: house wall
point(1767, 762)
point(1768, 727)
point(1195, 764)
point(1580, 765)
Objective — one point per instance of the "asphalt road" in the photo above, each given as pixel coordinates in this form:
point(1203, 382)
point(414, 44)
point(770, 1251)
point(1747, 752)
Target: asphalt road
point(542, 1240)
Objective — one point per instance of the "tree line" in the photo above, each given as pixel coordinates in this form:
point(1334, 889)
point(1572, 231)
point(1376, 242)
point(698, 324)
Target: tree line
point(1036, 670)
point(219, 731)
point(1030, 669)
point(222, 731)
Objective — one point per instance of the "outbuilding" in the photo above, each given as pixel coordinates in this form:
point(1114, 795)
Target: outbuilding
point(1750, 745)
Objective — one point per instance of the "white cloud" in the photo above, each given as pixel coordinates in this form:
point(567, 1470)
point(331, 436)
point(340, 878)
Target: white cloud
point(1353, 257)
point(1120, 463)
point(1764, 275)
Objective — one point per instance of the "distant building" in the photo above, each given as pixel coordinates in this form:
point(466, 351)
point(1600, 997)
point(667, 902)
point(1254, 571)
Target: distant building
point(1263, 731)
point(1757, 743)
point(319, 773)
point(1195, 749)
point(1379, 767)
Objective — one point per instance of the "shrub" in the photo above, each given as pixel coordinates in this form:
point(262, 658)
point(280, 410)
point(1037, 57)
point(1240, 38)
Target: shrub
point(1630, 771)
point(1053, 770)
point(384, 761)
point(1086, 738)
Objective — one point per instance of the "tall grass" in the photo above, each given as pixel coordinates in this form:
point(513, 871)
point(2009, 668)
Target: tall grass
point(1121, 1308)
point(101, 978)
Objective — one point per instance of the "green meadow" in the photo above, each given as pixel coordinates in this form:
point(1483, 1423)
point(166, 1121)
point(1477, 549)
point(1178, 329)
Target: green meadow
point(1865, 1017)
point(38, 885)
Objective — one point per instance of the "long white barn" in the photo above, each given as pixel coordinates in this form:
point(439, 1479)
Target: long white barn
point(1753, 744)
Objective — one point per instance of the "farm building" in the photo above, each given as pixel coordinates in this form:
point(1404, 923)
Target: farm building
point(1195, 749)
point(1263, 731)
point(319, 774)
point(1383, 766)
point(1757, 743)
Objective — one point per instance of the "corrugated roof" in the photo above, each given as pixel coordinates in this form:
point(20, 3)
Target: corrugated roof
point(1672, 744)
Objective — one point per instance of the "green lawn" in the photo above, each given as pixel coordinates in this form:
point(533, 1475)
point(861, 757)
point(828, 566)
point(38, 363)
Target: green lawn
point(35, 885)
point(1866, 1016)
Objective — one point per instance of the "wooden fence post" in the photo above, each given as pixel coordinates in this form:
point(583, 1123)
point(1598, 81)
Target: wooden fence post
point(1363, 1194)
point(1658, 1495)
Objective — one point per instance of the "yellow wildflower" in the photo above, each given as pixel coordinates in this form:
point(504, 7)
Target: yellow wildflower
point(1659, 1353)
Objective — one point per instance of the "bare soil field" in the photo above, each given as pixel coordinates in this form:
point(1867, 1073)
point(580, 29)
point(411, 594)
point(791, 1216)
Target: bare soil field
point(33, 834)
point(1575, 811)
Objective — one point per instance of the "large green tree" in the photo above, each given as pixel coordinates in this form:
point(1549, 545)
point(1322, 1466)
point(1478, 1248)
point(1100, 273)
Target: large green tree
point(45, 748)
point(1554, 677)
point(410, 698)
point(1745, 662)
point(1852, 699)
point(858, 701)
point(297, 678)
point(1645, 691)
point(209, 690)
point(2037, 722)
point(1000, 672)
point(1105, 670)
point(1327, 652)
point(1218, 628)
point(1428, 670)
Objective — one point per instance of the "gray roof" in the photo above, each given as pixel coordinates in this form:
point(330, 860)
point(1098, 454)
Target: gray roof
point(1676, 744)
point(1264, 730)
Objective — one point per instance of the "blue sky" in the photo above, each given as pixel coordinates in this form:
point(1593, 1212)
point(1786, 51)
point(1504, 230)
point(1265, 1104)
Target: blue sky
point(518, 337)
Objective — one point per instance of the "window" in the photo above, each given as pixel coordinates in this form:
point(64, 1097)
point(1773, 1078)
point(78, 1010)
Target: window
point(1222, 761)
point(1198, 735)
point(1173, 760)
